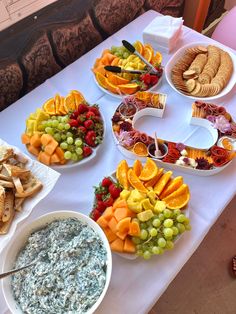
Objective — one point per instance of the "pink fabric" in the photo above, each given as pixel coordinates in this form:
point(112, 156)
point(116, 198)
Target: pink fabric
point(225, 30)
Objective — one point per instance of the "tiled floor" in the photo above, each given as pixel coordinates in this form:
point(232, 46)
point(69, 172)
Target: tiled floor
point(205, 285)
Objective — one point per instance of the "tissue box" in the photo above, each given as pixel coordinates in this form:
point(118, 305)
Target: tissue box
point(163, 32)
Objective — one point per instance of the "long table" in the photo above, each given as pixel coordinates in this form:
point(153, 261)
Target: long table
point(135, 284)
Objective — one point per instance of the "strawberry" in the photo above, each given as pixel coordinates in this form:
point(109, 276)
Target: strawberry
point(106, 182)
point(100, 192)
point(74, 115)
point(100, 206)
point(89, 124)
point(146, 78)
point(90, 114)
point(154, 79)
point(87, 151)
point(95, 214)
point(114, 190)
point(95, 110)
point(73, 123)
point(108, 200)
point(82, 108)
point(82, 129)
point(90, 138)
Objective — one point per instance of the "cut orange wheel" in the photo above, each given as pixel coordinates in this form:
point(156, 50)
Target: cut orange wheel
point(122, 174)
point(135, 182)
point(137, 167)
point(179, 198)
point(157, 59)
point(171, 186)
point(149, 170)
point(130, 88)
point(69, 104)
point(49, 106)
point(101, 79)
point(139, 47)
point(140, 149)
point(116, 79)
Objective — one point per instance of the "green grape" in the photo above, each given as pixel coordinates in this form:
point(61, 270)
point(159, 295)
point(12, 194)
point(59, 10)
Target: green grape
point(49, 130)
point(69, 134)
point(57, 137)
point(167, 213)
point(155, 250)
point(71, 148)
point(153, 232)
point(64, 119)
point(175, 230)
point(180, 218)
point(79, 151)
point(60, 126)
point(161, 242)
point(146, 255)
point(80, 157)
point(149, 223)
point(67, 155)
point(186, 221)
point(67, 126)
point(136, 240)
point(156, 222)
point(168, 223)
point(59, 118)
point(64, 145)
point(74, 157)
point(78, 142)
point(169, 245)
point(161, 217)
point(117, 54)
point(139, 252)
point(70, 140)
point(63, 137)
point(188, 227)
point(177, 212)
point(168, 233)
point(125, 55)
point(55, 123)
point(143, 234)
point(143, 225)
point(181, 227)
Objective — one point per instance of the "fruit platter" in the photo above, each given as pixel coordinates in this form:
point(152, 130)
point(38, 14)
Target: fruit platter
point(203, 71)
point(65, 132)
point(205, 161)
point(121, 71)
point(141, 209)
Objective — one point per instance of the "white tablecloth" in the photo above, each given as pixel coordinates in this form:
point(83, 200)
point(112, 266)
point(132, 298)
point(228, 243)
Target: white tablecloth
point(135, 285)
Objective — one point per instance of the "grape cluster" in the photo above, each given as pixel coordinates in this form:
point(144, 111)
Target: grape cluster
point(120, 52)
point(159, 233)
point(60, 129)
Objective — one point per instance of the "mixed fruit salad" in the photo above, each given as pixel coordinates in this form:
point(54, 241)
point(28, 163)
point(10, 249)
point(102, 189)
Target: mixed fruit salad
point(127, 83)
point(64, 130)
point(141, 209)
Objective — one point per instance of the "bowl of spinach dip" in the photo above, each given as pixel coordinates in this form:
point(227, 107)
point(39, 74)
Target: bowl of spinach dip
point(72, 267)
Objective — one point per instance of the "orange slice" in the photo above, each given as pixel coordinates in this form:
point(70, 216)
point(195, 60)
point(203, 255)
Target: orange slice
point(79, 98)
point(115, 61)
point(122, 174)
point(116, 79)
point(62, 108)
point(144, 96)
point(112, 88)
point(148, 53)
point(57, 100)
point(172, 186)
point(69, 103)
point(100, 69)
point(179, 198)
point(139, 47)
point(137, 167)
point(49, 106)
point(135, 182)
point(227, 144)
point(153, 181)
point(149, 170)
point(140, 149)
point(157, 59)
point(161, 183)
point(101, 79)
point(130, 88)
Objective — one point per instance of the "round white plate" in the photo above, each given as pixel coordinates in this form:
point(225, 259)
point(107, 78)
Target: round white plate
point(179, 54)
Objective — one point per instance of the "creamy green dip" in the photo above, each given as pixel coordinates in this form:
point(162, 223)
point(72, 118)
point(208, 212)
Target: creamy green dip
point(70, 274)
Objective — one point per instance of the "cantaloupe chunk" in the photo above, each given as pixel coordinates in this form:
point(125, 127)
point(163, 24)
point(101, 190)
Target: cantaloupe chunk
point(112, 224)
point(33, 150)
point(44, 158)
point(60, 153)
point(122, 235)
point(120, 204)
point(123, 225)
point(51, 147)
point(108, 213)
point(122, 212)
point(45, 139)
point(25, 138)
point(129, 246)
point(117, 245)
point(102, 222)
point(134, 229)
point(109, 234)
point(55, 159)
point(35, 140)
